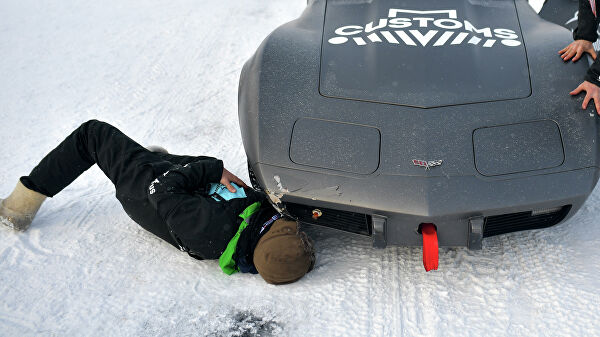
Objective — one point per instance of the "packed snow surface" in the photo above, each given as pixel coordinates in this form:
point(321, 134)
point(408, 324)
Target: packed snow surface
point(166, 72)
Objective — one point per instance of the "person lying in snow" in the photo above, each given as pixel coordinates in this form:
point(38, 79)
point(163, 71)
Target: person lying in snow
point(177, 198)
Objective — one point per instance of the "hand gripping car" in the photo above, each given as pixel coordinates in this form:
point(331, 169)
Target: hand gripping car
point(419, 122)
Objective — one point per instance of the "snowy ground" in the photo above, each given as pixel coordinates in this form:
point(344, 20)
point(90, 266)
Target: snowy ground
point(166, 73)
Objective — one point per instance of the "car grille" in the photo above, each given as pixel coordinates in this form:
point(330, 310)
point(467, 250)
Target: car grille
point(514, 222)
point(346, 221)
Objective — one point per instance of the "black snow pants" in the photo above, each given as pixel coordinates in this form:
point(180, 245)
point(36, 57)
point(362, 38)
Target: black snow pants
point(129, 166)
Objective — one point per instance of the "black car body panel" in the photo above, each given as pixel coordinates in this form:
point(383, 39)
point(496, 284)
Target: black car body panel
point(405, 134)
point(369, 49)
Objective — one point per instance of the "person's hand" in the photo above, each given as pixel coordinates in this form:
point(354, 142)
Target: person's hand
point(592, 91)
point(227, 178)
point(576, 50)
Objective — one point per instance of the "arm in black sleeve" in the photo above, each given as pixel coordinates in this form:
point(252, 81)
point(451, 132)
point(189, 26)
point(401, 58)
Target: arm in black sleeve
point(195, 175)
point(593, 74)
point(587, 23)
point(180, 160)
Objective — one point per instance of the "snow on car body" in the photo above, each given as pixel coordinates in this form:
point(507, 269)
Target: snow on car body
point(374, 117)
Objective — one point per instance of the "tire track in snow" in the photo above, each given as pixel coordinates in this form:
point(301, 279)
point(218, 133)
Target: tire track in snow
point(16, 326)
point(392, 274)
point(9, 256)
point(8, 250)
point(30, 241)
point(376, 319)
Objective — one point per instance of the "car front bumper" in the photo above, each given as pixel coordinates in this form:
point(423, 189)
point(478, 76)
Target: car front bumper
point(391, 208)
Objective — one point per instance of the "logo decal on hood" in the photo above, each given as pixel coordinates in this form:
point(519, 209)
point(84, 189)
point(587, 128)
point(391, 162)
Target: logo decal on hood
point(427, 164)
point(405, 26)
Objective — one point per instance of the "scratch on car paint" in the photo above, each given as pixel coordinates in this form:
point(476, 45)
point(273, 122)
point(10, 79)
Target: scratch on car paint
point(276, 196)
point(280, 185)
point(276, 200)
point(332, 191)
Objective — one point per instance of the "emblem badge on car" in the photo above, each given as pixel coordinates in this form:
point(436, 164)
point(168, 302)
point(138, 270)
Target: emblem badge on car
point(427, 164)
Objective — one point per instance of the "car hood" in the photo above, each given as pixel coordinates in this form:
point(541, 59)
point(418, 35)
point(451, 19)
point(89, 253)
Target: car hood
point(423, 53)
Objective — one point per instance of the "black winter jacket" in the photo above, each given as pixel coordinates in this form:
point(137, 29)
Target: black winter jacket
point(163, 193)
point(587, 29)
point(199, 224)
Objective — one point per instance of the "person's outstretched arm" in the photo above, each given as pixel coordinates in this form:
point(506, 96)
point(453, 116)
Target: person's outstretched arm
point(587, 23)
point(584, 35)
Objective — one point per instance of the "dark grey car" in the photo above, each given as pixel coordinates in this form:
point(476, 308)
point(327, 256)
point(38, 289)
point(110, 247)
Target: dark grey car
point(374, 117)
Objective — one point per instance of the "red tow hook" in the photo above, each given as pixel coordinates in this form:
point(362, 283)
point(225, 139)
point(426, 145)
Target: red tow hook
point(430, 246)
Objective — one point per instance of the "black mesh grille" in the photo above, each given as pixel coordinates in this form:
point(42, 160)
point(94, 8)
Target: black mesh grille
point(514, 222)
point(347, 221)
